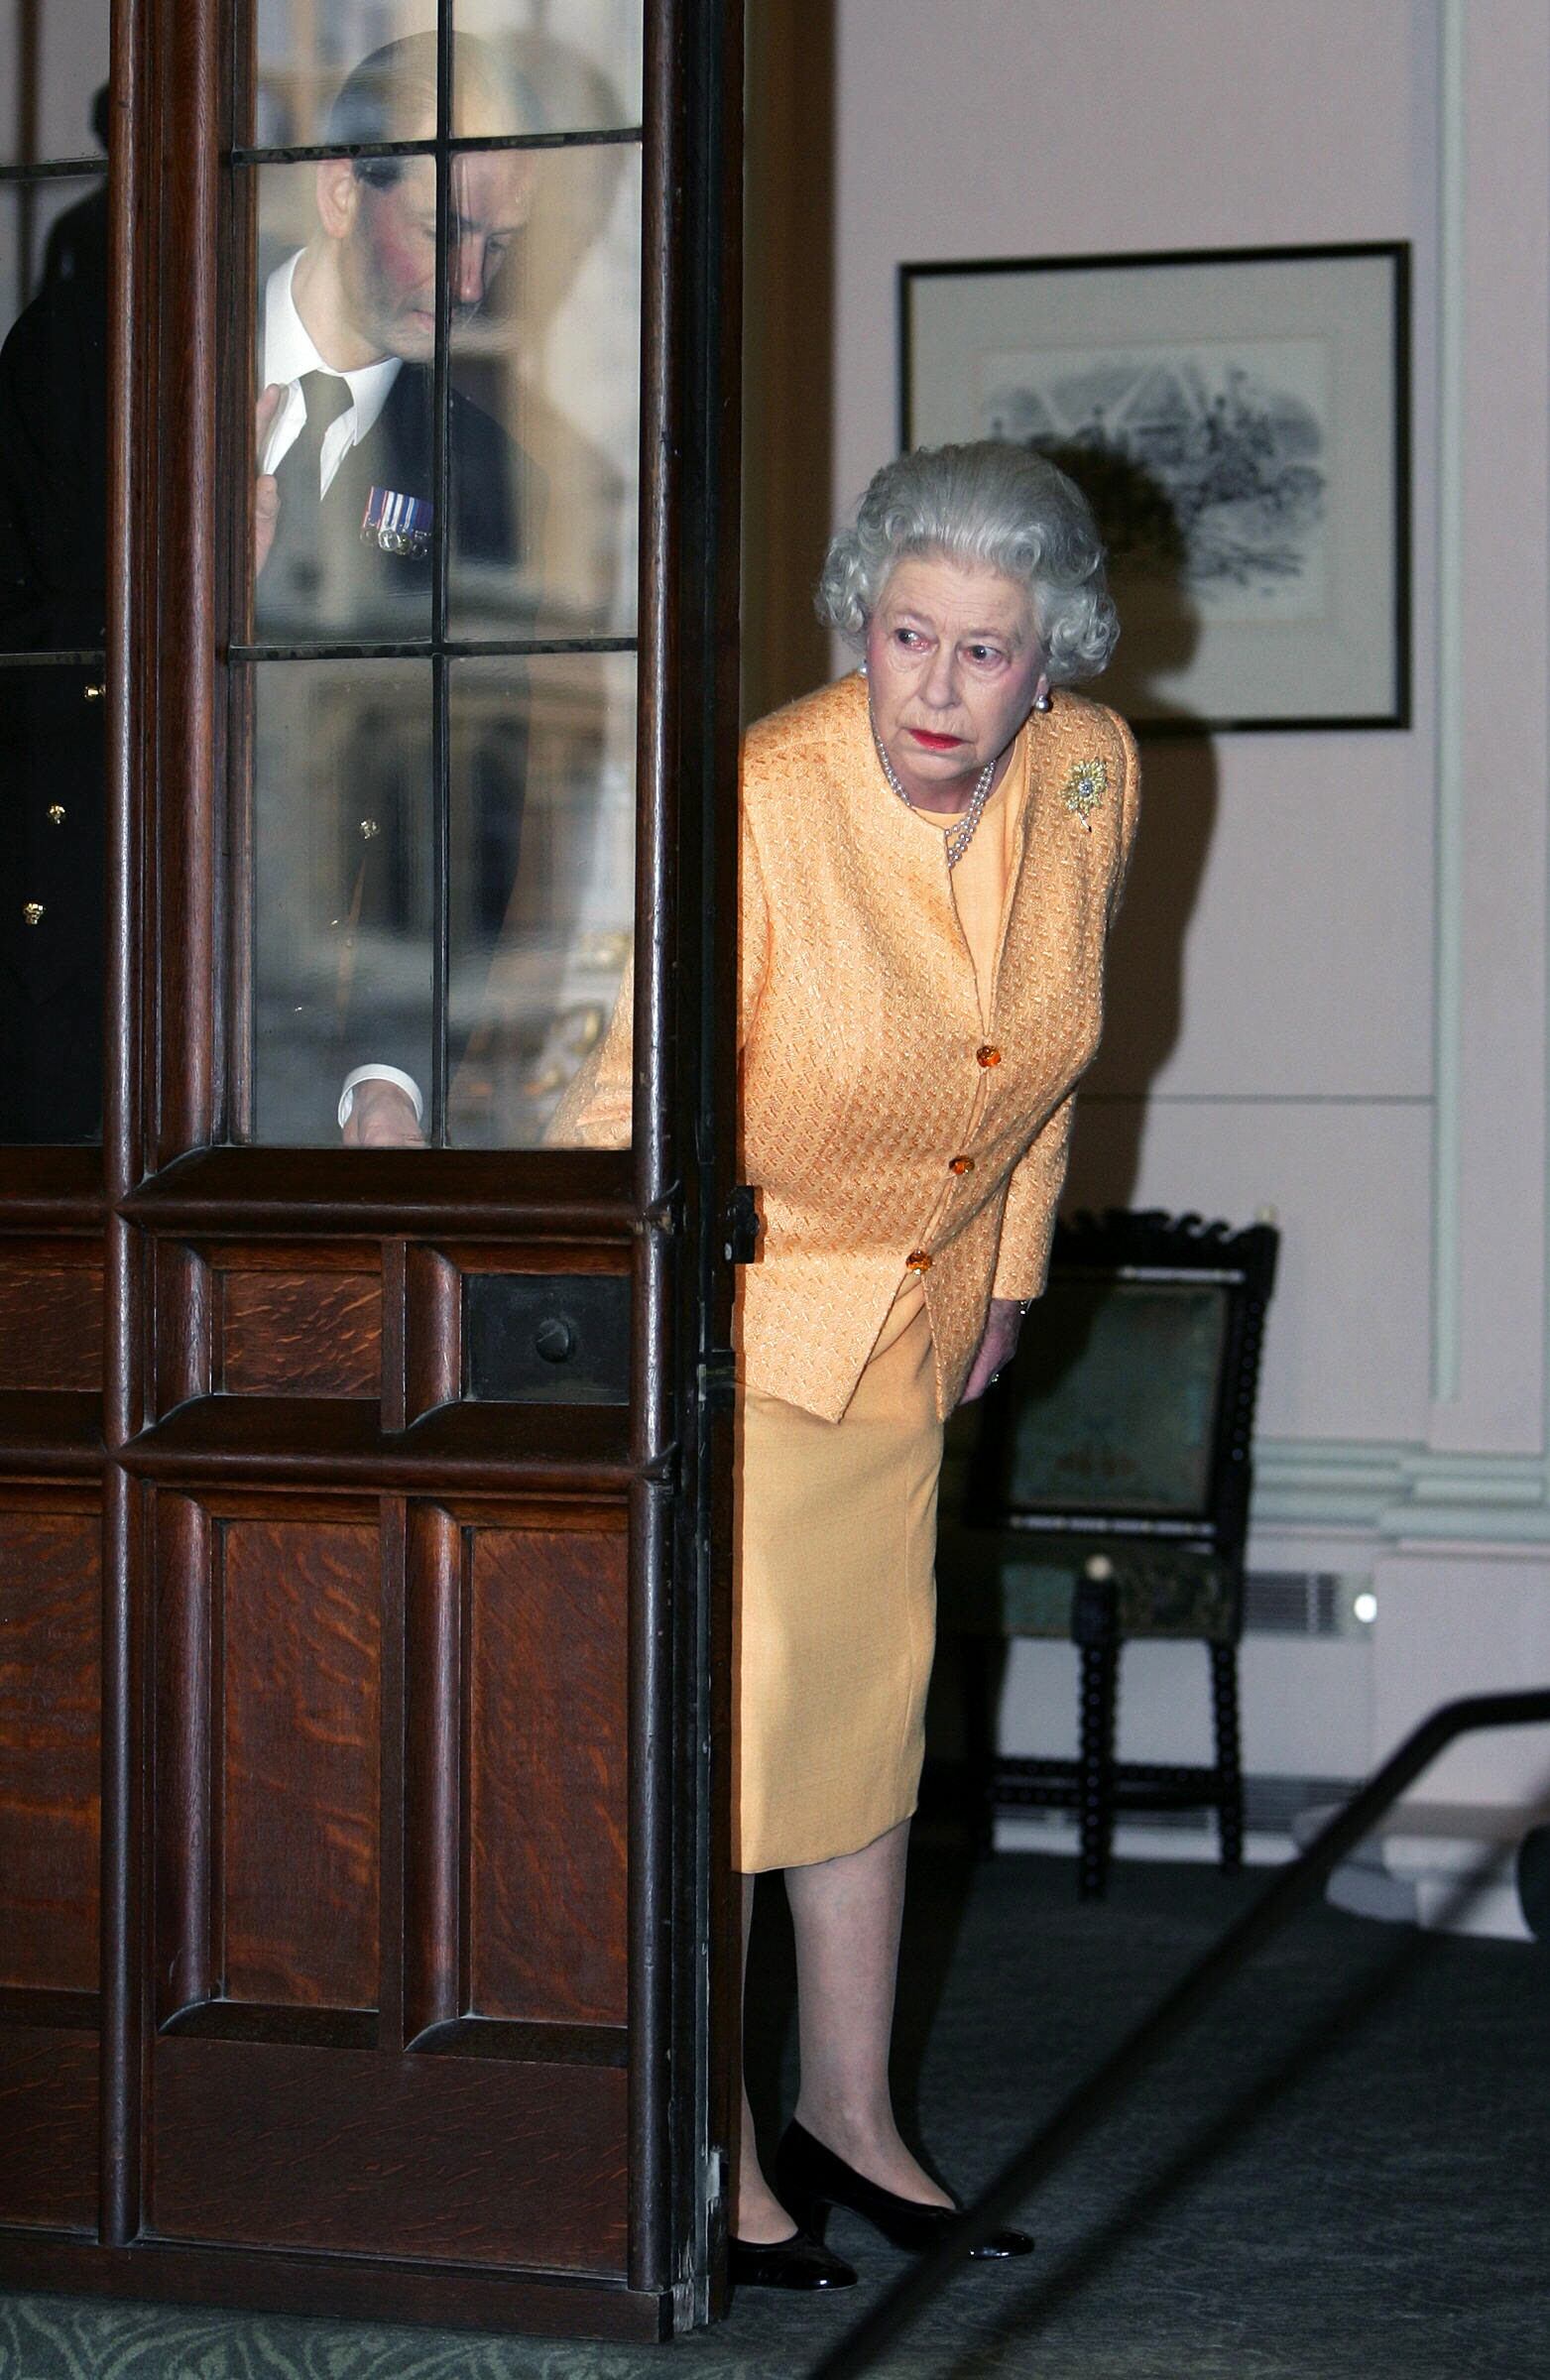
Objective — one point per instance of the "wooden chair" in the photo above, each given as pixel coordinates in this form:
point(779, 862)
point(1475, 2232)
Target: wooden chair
point(1106, 1496)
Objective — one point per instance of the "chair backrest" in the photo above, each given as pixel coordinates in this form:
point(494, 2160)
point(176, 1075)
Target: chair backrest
point(1129, 1410)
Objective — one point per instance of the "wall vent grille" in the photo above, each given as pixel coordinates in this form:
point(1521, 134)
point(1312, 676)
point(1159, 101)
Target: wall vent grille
point(1302, 1602)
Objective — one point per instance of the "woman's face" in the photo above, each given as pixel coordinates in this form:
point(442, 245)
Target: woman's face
point(953, 665)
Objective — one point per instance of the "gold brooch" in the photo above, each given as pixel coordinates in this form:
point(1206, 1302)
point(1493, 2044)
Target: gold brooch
point(1085, 789)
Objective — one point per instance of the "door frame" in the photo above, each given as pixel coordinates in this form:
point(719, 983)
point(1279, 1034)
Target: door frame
point(670, 1202)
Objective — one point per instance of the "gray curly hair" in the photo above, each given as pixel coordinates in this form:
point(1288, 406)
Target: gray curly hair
point(991, 503)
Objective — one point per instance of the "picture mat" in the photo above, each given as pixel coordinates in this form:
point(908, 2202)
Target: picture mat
point(1325, 326)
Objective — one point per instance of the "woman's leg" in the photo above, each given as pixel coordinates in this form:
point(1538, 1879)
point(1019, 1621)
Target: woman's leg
point(846, 1914)
point(756, 2213)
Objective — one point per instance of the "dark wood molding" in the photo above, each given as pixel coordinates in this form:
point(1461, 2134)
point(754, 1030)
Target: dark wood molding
point(50, 1434)
point(433, 1983)
point(339, 1442)
point(553, 1195)
point(544, 2305)
point(58, 2011)
point(54, 1190)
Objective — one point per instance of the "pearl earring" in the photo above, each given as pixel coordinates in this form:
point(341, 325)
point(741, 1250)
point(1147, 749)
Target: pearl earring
point(1043, 700)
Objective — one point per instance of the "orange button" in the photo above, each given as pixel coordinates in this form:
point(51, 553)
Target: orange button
point(988, 1054)
point(917, 1260)
point(960, 1165)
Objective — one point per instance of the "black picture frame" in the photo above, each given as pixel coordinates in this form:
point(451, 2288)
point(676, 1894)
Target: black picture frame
point(1241, 419)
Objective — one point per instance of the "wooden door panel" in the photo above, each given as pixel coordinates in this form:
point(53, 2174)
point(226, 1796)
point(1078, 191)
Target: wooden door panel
point(50, 1315)
point(546, 1782)
point(471, 2159)
point(49, 1743)
point(298, 1332)
point(49, 2128)
point(300, 1690)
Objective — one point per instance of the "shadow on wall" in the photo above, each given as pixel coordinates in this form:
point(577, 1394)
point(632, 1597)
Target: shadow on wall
point(1144, 1003)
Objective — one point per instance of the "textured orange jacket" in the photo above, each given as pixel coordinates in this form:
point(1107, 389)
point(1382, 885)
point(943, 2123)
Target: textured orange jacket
point(867, 1071)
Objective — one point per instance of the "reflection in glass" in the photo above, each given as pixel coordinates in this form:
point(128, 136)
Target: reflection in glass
point(54, 62)
point(588, 80)
point(52, 580)
point(342, 886)
point(542, 874)
point(302, 49)
point(553, 356)
point(575, 69)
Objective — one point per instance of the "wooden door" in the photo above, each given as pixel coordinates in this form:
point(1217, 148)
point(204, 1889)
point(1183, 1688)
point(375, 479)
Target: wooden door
point(363, 1509)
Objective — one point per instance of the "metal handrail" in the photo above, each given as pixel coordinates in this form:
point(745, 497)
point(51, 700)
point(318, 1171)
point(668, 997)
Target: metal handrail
point(1293, 1884)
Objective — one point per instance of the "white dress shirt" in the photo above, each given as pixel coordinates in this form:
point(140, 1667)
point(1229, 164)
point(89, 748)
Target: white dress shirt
point(288, 352)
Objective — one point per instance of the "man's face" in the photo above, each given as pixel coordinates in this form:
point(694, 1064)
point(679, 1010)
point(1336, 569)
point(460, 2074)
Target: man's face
point(387, 253)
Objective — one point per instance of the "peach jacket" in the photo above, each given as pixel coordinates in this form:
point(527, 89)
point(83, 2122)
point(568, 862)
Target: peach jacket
point(884, 1121)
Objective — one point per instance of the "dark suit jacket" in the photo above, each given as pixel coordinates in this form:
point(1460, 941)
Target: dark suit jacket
point(52, 572)
point(322, 580)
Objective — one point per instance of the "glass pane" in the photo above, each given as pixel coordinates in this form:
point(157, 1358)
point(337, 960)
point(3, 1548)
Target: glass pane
point(577, 70)
point(342, 892)
point(542, 877)
point(303, 50)
point(553, 356)
point(53, 536)
point(54, 71)
point(513, 70)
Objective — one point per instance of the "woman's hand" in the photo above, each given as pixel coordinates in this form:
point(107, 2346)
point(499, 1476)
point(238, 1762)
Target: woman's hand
point(997, 1348)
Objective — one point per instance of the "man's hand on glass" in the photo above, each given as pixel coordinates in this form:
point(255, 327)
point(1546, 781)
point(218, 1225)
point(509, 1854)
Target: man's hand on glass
point(382, 1117)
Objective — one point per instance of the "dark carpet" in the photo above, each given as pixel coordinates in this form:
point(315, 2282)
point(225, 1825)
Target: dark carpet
point(1344, 2175)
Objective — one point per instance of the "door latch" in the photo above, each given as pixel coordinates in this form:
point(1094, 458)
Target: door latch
point(743, 1226)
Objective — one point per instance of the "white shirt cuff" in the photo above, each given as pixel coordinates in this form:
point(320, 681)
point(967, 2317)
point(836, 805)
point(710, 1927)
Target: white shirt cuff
point(379, 1074)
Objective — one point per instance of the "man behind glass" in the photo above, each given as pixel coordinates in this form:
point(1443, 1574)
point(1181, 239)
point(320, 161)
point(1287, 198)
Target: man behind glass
point(344, 502)
point(343, 509)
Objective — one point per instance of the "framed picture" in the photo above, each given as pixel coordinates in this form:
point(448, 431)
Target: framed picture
point(1239, 418)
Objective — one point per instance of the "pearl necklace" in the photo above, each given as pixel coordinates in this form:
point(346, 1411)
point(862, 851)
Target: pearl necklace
point(961, 834)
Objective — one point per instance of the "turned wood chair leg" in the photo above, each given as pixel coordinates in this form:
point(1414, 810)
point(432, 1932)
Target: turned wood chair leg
point(1095, 1760)
point(979, 1654)
point(1228, 1753)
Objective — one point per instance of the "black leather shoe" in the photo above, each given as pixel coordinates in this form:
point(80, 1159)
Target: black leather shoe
point(801, 2262)
point(810, 2178)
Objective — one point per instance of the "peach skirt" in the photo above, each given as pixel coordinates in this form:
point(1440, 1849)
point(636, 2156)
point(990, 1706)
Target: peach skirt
point(836, 1606)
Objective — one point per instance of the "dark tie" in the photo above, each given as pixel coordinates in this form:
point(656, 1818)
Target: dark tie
point(287, 596)
point(328, 397)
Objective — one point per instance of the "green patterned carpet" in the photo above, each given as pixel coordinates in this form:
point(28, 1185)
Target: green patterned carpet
point(1342, 2179)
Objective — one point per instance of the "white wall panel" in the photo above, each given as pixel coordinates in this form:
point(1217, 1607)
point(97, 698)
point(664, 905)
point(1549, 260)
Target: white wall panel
point(1457, 1622)
point(1035, 128)
point(1277, 938)
point(1306, 1703)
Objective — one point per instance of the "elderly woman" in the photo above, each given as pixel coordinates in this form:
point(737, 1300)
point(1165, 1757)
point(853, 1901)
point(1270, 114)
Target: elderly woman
point(932, 850)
